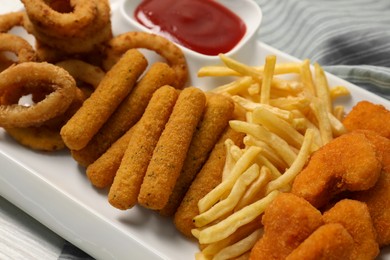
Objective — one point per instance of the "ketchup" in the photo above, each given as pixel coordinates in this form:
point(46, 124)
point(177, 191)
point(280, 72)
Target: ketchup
point(204, 26)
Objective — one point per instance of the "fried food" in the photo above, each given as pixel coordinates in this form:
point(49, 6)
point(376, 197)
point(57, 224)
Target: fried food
point(101, 172)
point(349, 162)
point(28, 77)
point(167, 49)
point(207, 179)
point(287, 221)
point(42, 138)
point(171, 149)
point(95, 111)
point(83, 71)
point(368, 116)
point(15, 44)
point(83, 29)
point(46, 18)
point(10, 20)
point(127, 114)
point(329, 242)
point(124, 191)
point(354, 216)
point(218, 111)
point(376, 198)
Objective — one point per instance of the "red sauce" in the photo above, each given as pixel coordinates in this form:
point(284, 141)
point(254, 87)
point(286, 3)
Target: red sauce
point(204, 26)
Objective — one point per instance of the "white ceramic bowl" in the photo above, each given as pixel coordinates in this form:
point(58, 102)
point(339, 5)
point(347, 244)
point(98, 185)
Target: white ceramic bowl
point(248, 10)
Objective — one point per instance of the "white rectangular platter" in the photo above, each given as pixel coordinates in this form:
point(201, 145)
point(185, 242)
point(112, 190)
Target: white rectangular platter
point(53, 189)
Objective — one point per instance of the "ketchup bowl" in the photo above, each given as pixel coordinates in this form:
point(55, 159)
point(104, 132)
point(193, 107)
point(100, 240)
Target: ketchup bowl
point(247, 11)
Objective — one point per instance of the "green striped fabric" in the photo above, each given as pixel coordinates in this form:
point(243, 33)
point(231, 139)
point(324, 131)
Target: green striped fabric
point(350, 38)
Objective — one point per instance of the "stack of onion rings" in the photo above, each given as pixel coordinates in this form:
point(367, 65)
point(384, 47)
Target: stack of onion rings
point(81, 31)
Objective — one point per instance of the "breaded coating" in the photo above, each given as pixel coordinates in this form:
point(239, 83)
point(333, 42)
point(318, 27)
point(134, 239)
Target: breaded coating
point(349, 162)
point(219, 110)
point(124, 190)
point(207, 179)
point(95, 111)
point(354, 216)
point(377, 198)
point(287, 221)
point(171, 149)
point(127, 114)
point(329, 242)
point(101, 172)
point(368, 116)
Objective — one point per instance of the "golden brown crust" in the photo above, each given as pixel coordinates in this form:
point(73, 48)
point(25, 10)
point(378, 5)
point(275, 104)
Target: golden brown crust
point(129, 177)
point(170, 152)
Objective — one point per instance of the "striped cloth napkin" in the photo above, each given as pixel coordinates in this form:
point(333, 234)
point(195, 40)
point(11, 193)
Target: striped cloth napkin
point(349, 38)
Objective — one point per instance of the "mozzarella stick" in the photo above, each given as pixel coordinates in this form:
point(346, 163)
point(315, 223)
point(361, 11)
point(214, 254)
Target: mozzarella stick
point(101, 172)
point(95, 111)
point(207, 179)
point(171, 149)
point(127, 182)
point(219, 110)
point(127, 114)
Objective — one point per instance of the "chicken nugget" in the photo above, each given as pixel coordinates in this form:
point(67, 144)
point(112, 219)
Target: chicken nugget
point(377, 198)
point(356, 219)
point(219, 110)
point(349, 162)
point(170, 152)
point(127, 182)
point(329, 242)
point(368, 116)
point(287, 221)
point(127, 114)
point(207, 179)
point(101, 172)
point(95, 111)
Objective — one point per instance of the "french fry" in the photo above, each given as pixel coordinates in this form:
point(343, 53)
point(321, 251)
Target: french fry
point(251, 106)
point(266, 151)
point(230, 224)
point(319, 110)
point(322, 87)
point(337, 126)
point(307, 78)
point(278, 126)
point(241, 68)
point(273, 140)
point(242, 164)
point(254, 191)
point(339, 91)
point(268, 74)
point(240, 247)
point(234, 87)
point(220, 71)
point(228, 204)
point(296, 167)
point(212, 249)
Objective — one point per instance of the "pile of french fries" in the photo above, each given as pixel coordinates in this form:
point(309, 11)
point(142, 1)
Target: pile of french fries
point(287, 113)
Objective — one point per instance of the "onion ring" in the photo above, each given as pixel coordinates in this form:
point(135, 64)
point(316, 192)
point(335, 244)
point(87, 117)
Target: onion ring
point(74, 45)
point(165, 48)
point(83, 71)
point(38, 138)
point(10, 20)
point(16, 44)
point(31, 75)
point(68, 24)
